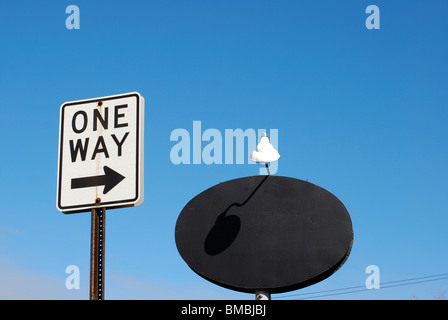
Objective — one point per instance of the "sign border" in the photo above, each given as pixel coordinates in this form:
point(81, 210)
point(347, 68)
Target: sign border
point(138, 199)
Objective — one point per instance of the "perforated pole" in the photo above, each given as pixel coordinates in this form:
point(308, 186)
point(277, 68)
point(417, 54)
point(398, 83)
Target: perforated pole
point(97, 246)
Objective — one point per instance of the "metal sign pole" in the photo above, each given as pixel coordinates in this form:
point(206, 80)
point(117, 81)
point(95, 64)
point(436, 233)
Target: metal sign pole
point(97, 242)
point(262, 295)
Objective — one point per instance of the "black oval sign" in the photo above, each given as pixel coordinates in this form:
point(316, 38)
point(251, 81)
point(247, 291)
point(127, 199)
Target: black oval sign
point(264, 232)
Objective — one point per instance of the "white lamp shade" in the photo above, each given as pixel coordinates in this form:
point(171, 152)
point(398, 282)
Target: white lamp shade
point(265, 151)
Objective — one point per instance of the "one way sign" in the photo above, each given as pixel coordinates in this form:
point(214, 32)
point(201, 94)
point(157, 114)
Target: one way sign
point(101, 153)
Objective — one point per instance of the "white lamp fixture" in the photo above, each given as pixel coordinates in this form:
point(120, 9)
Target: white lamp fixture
point(264, 152)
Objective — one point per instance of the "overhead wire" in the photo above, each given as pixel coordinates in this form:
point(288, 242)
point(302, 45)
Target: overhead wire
point(354, 289)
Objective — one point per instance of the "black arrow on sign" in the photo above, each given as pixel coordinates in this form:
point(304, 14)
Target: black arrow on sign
point(109, 180)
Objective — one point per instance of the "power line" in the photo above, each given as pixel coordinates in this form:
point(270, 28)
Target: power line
point(365, 289)
point(384, 285)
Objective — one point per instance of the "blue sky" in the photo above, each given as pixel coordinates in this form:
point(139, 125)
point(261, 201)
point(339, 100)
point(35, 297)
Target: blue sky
point(361, 113)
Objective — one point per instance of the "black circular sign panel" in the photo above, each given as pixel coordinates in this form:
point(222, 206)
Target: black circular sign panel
point(264, 232)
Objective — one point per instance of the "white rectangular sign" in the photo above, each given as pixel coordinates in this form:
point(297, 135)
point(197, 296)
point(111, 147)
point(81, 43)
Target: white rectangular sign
point(101, 153)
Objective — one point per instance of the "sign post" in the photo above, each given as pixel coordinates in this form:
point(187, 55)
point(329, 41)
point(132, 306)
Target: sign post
point(100, 165)
point(97, 250)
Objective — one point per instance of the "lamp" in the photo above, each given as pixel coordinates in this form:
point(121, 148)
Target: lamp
point(264, 152)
